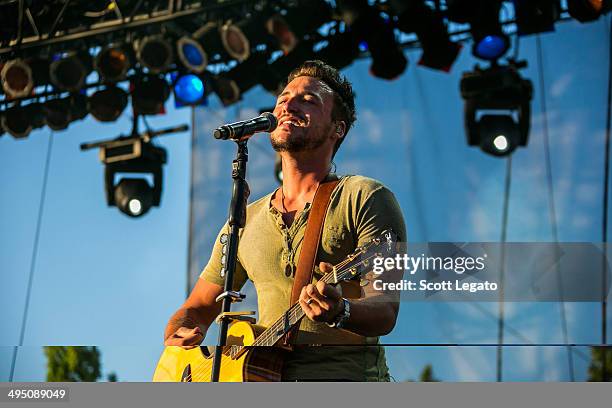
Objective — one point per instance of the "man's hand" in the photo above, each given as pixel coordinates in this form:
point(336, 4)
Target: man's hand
point(185, 337)
point(321, 302)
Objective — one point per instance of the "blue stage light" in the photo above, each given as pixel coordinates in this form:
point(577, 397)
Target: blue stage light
point(192, 54)
point(189, 89)
point(491, 47)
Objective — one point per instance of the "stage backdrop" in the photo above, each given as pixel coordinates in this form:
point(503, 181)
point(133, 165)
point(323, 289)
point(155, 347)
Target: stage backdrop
point(409, 135)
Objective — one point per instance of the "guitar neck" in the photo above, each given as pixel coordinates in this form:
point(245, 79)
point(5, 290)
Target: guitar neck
point(291, 317)
point(349, 268)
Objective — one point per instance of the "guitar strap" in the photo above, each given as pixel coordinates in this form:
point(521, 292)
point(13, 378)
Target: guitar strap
point(310, 245)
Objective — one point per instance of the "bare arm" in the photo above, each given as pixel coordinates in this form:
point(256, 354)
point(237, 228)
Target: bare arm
point(373, 315)
point(188, 325)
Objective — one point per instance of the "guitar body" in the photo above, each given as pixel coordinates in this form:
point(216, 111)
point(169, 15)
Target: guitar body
point(177, 364)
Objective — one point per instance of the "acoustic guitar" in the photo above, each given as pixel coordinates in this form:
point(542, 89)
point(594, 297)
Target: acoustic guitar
point(249, 354)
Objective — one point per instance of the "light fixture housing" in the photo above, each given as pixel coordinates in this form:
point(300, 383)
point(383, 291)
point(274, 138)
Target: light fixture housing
point(69, 73)
point(149, 93)
point(376, 34)
point(112, 63)
point(19, 121)
point(154, 53)
point(231, 85)
point(16, 78)
point(536, 16)
point(588, 10)
point(497, 88)
point(133, 196)
point(299, 19)
point(106, 105)
point(57, 113)
point(439, 52)
point(490, 42)
point(191, 54)
point(189, 90)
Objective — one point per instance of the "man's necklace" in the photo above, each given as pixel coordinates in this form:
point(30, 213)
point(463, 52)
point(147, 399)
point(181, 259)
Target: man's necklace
point(283, 198)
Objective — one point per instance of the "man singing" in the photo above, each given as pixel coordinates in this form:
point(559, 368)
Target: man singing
point(315, 112)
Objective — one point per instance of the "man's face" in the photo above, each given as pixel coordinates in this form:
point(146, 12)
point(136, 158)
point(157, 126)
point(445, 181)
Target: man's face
point(303, 111)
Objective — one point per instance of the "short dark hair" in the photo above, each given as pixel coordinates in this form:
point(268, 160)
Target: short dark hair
point(344, 97)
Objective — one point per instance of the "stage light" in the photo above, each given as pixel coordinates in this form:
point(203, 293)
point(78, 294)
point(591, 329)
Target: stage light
point(238, 38)
point(204, 45)
point(106, 105)
point(341, 50)
point(19, 121)
point(230, 85)
point(133, 196)
point(69, 73)
point(388, 61)
point(16, 78)
point(439, 52)
point(587, 10)
point(112, 63)
point(78, 107)
point(274, 76)
point(60, 112)
point(490, 43)
point(490, 47)
point(188, 90)
point(499, 135)
point(303, 17)
point(191, 54)
point(149, 94)
point(57, 113)
point(154, 53)
point(498, 88)
point(536, 16)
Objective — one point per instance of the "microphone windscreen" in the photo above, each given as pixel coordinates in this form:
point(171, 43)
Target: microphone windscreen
point(272, 119)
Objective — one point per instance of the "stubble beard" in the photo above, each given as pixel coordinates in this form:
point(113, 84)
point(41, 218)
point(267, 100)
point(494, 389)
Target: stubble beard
point(314, 139)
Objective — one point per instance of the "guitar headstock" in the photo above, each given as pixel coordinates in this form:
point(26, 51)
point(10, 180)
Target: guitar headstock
point(360, 261)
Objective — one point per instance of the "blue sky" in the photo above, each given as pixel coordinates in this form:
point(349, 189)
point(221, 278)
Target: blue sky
point(104, 279)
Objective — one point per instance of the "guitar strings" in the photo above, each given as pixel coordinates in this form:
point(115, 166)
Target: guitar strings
point(276, 327)
point(270, 333)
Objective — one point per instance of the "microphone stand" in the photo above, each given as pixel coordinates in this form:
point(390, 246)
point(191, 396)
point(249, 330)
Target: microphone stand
point(237, 220)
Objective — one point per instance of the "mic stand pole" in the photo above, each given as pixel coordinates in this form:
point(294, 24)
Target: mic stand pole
point(237, 220)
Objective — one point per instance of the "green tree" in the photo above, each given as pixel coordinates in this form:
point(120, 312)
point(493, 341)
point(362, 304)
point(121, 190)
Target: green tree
point(427, 374)
point(596, 368)
point(72, 363)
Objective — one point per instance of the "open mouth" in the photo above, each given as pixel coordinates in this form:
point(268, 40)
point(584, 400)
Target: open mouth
point(295, 122)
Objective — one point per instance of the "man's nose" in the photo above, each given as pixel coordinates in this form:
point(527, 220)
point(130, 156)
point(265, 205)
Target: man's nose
point(291, 105)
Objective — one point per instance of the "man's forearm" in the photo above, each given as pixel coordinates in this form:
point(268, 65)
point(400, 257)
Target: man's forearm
point(374, 316)
point(186, 317)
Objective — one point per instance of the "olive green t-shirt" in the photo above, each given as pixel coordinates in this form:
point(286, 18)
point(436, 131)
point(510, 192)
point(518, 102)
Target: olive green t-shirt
point(360, 209)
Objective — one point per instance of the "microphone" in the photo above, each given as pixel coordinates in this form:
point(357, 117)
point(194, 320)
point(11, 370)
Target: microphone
point(266, 122)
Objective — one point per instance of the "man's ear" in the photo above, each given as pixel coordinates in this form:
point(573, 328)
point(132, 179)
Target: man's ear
point(340, 129)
